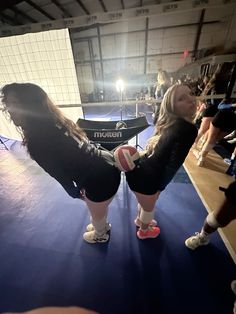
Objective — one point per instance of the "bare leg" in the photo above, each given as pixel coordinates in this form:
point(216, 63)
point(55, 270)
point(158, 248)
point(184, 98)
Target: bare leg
point(147, 203)
point(223, 216)
point(202, 130)
point(98, 209)
point(214, 135)
point(219, 218)
point(203, 140)
point(98, 212)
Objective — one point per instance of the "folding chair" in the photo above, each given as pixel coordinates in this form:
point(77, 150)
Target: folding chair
point(111, 134)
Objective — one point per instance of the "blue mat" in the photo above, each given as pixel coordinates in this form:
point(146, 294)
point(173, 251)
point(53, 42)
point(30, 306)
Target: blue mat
point(45, 262)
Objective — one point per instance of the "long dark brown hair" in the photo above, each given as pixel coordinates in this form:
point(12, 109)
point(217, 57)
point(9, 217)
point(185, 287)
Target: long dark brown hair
point(39, 112)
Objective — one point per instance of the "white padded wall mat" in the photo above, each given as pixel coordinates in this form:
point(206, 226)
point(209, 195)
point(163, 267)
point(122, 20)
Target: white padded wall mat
point(45, 59)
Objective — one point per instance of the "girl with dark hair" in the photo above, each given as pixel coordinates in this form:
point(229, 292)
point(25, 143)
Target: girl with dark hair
point(63, 150)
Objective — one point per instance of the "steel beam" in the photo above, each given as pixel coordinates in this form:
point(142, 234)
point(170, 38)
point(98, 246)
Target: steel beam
point(80, 3)
point(117, 16)
point(19, 12)
point(199, 30)
point(61, 8)
point(38, 8)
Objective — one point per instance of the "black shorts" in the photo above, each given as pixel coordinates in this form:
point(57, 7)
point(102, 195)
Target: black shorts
point(103, 181)
point(142, 181)
point(210, 111)
point(225, 120)
point(230, 193)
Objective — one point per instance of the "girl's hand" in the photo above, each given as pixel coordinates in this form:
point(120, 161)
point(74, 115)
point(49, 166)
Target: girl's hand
point(82, 195)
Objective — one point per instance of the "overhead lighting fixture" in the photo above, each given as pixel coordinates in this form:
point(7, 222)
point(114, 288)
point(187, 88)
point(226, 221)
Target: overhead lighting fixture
point(120, 85)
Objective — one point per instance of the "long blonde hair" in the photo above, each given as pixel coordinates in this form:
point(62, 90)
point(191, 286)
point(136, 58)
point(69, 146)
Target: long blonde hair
point(161, 77)
point(167, 117)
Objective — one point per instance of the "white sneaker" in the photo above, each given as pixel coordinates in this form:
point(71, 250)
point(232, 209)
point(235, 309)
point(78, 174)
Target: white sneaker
point(94, 237)
point(227, 161)
point(230, 136)
point(196, 241)
point(233, 141)
point(90, 227)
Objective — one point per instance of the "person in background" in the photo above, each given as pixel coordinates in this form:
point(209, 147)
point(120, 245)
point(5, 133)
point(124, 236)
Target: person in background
point(231, 171)
point(162, 84)
point(207, 111)
point(231, 138)
point(222, 124)
point(165, 153)
point(63, 150)
point(219, 218)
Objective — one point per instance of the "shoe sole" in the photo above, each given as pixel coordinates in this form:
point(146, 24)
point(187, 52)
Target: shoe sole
point(194, 248)
point(98, 241)
point(107, 229)
point(149, 237)
point(191, 248)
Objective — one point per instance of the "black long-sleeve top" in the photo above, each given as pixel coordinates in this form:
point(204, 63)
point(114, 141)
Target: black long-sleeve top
point(154, 172)
point(66, 158)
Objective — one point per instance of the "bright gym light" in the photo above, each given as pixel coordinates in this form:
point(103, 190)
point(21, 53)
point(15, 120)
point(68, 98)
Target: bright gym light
point(120, 86)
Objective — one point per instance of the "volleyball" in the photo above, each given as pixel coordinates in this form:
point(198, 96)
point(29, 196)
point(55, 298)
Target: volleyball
point(125, 157)
point(121, 125)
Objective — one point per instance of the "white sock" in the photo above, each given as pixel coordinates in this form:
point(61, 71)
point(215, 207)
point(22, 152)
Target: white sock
point(232, 156)
point(100, 225)
point(204, 234)
point(146, 217)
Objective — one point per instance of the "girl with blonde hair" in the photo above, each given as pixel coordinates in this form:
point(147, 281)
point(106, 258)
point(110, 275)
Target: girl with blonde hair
point(166, 152)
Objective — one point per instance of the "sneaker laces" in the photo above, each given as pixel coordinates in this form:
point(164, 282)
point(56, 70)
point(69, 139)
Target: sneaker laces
point(196, 238)
point(149, 228)
point(199, 237)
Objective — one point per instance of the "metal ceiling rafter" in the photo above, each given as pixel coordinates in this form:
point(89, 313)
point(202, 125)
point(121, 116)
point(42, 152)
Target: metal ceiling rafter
point(122, 4)
point(36, 7)
point(103, 5)
point(79, 29)
point(83, 7)
point(19, 12)
point(85, 28)
point(8, 4)
point(61, 8)
point(201, 20)
point(9, 19)
point(116, 16)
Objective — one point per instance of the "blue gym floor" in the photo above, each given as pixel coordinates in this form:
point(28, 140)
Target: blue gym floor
point(45, 262)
